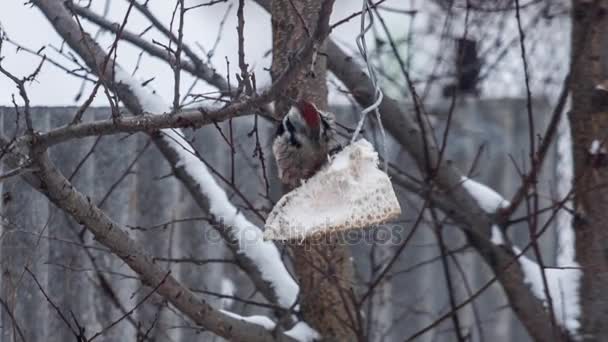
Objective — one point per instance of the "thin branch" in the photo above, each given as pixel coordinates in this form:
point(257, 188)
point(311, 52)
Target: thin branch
point(130, 312)
point(22, 92)
point(178, 53)
point(13, 319)
point(81, 43)
point(16, 172)
point(190, 118)
point(55, 307)
point(196, 67)
point(50, 182)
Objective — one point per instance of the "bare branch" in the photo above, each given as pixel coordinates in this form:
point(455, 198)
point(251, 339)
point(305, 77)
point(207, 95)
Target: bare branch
point(178, 54)
point(196, 68)
point(408, 133)
point(152, 122)
point(20, 83)
point(405, 128)
point(50, 182)
point(82, 43)
point(13, 320)
point(130, 312)
point(16, 172)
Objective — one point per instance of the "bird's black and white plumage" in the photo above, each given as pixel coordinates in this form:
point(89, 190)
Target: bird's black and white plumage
point(305, 138)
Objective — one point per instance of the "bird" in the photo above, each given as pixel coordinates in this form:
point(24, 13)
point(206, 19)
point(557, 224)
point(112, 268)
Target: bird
point(304, 140)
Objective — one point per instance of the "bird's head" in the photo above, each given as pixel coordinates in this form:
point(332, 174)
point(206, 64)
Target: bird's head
point(305, 118)
point(303, 123)
point(306, 126)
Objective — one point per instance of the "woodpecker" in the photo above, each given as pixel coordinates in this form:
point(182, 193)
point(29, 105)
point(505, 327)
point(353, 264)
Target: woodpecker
point(305, 138)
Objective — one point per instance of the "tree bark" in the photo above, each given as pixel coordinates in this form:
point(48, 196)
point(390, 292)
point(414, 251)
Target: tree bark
point(323, 265)
point(589, 122)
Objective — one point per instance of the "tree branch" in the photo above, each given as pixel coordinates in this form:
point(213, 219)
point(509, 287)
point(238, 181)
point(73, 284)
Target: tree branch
point(406, 130)
point(195, 67)
point(190, 118)
point(50, 182)
point(130, 94)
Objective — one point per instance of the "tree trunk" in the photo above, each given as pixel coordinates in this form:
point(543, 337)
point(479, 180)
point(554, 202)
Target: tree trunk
point(589, 122)
point(323, 266)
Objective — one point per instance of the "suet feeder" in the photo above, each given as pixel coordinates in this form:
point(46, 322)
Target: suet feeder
point(349, 192)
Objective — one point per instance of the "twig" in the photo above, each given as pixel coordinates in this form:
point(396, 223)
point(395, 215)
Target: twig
point(531, 130)
point(356, 14)
point(124, 174)
point(438, 229)
point(194, 261)
point(178, 53)
point(79, 336)
point(85, 158)
point(16, 172)
point(13, 319)
point(23, 93)
point(130, 312)
point(210, 3)
point(196, 67)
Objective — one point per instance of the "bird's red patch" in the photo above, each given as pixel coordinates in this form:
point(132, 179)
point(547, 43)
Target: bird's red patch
point(310, 113)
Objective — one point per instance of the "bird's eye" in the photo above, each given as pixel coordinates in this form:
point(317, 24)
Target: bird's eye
point(325, 123)
point(292, 136)
point(280, 129)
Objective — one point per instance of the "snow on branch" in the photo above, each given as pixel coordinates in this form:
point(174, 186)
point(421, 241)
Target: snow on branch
point(563, 287)
point(497, 237)
point(227, 289)
point(595, 148)
point(602, 85)
point(565, 232)
point(563, 281)
point(264, 254)
point(566, 252)
point(488, 199)
point(301, 332)
point(264, 321)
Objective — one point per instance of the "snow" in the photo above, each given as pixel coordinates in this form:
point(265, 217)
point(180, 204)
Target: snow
point(565, 232)
point(264, 254)
point(497, 236)
point(564, 280)
point(264, 321)
point(488, 199)
point(303, 333)
point(349, 192)
point(566, 254)
point(227, 289)
point(563, 287)
point(596, 148)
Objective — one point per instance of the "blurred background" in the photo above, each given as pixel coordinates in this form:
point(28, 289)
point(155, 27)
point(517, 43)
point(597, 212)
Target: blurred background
point(446, 49)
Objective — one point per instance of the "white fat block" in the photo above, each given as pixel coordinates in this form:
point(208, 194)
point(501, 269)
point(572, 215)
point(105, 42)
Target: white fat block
point(349, 192)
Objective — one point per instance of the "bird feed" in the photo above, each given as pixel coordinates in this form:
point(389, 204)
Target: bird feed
point(349, 192)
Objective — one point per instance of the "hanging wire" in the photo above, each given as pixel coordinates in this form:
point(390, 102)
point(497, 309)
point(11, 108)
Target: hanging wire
point(378, 95)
